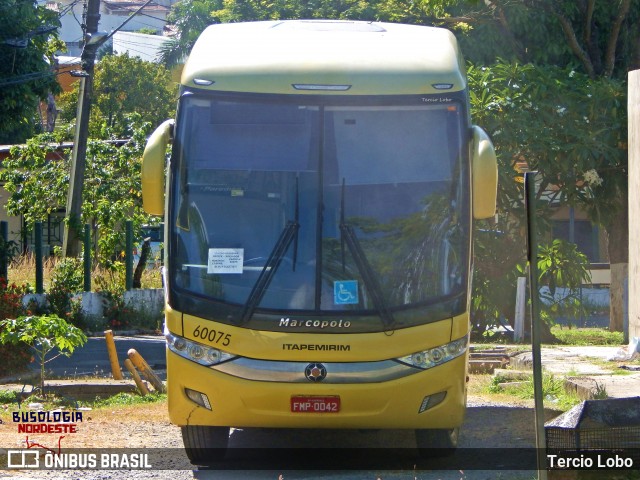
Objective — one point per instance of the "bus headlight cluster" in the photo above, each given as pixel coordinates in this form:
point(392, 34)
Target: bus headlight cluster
point(437, 355)
point(194, 351)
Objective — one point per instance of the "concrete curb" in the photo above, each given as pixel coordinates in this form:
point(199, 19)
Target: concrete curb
point(85, 389)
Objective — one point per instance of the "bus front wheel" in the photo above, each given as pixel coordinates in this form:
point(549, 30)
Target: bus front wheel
point(204, 444)
point(434, 443)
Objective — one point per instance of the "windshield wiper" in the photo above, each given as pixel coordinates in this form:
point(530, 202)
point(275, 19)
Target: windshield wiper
point(349, 237)
point(289, 233)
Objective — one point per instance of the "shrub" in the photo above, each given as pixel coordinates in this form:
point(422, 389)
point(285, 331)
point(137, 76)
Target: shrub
point(67, 279)
point(13, 358)
point(42, 334)
point(111, 286)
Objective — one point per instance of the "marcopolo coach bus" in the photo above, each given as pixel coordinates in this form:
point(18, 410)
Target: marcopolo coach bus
point(318, 203)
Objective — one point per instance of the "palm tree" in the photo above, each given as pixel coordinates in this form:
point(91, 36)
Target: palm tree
point(190, 18)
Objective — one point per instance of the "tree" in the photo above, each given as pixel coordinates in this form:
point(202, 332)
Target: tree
point(190, 17)
point(562, 266)
point(37, 186)
point(600, 40)
point(43, 334)
point(562, 124)
point(601, 37)
point(124, 85)
point(28, 38)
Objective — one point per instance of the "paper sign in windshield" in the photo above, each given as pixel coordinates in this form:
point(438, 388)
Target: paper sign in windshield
point(225, 260)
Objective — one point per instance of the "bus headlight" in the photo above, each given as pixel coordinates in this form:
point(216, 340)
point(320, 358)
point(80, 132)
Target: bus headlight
point(436, 356)
point(194, 351)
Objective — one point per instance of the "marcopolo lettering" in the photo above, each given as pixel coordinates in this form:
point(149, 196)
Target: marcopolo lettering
point(293, 323)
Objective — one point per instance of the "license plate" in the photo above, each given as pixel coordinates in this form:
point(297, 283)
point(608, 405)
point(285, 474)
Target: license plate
point(315, 404)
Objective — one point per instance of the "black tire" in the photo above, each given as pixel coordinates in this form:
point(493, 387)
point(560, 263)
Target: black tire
point(204, 444)
point(435, 443)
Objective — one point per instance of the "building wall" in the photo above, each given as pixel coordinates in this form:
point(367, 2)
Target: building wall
point(146, 47)
point(112, 15)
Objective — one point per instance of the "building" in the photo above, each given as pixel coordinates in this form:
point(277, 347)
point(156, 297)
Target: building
point(146, 47)
point(112, 15)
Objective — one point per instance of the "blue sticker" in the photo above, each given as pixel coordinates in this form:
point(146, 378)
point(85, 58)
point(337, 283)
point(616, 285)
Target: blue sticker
point(345, 292)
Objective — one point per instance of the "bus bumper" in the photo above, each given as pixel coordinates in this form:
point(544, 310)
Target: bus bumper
point(237, 402)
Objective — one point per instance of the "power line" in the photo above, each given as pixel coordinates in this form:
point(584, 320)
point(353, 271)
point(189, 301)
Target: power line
point(29, 77)
point(69, 7)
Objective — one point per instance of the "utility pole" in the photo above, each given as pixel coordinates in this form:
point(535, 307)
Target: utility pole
point(73, 224)
point(73, 227)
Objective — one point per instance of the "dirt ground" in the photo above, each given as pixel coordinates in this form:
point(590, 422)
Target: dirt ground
point(491, 422)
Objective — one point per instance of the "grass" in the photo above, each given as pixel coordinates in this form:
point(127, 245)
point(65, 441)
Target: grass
point(7, 397)
point(22, 270)
point(52, 402)
point(127, 399)
point(553, 390)
point(587, 336)
point(553, 386)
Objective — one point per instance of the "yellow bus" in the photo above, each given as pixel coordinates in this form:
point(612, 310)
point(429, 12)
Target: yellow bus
point(318, 203)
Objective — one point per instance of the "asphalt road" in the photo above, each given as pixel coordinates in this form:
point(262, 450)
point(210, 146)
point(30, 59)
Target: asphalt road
point(93, 359)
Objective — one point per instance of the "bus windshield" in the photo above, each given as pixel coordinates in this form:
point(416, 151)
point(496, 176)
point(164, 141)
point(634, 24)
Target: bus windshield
point(286, 205)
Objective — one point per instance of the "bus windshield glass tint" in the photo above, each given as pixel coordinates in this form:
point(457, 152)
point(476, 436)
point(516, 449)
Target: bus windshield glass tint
point(287, 206)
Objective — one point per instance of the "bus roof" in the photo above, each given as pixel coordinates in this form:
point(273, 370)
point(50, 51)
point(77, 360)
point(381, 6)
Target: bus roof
point(325, 57)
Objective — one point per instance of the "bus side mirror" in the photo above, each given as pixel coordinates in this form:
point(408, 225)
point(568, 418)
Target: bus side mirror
point(484, 170)
point(153, 168)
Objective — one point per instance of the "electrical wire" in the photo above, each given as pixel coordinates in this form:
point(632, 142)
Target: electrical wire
point(28, 77)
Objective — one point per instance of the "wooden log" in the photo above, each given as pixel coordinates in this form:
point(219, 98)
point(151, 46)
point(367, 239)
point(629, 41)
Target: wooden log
point(116, 371)
point(136, 378)
point(146, 370)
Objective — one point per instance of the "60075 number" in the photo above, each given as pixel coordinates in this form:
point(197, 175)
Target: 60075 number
point(214, 336)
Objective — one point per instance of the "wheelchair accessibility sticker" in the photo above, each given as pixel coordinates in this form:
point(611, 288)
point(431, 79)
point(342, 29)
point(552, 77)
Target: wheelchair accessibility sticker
point(345, 292)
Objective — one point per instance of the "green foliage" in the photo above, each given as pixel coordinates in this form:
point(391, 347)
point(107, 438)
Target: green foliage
point(148, 31)
point(38, 186)
point(124, 399)
point(555, 121)
point(118, 314)
point(127, 92)
point(247, 10)
point(553, 390)
point(113, 194)
point(26, 76)
point(111, 286)
point(561, 264)
point(52, 402)
point(43, 334)
point(13, 358)
point(587, 336)
point(9, 249)
point(7, 397)
point(545, 32)
point(570, 129)
point(66, 280)
point(11, 299)
point(190, 17)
